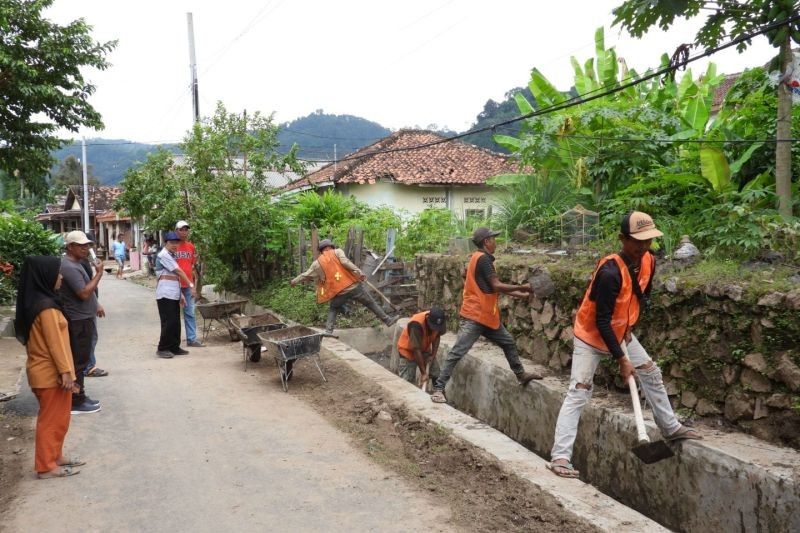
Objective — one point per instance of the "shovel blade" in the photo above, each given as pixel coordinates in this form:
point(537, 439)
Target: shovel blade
point(652, 452)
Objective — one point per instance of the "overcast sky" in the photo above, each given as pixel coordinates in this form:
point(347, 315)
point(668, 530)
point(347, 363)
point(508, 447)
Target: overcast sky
point(401, 64)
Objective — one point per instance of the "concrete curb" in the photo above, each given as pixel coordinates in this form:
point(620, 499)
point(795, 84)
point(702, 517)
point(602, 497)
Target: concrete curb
point(581, 500)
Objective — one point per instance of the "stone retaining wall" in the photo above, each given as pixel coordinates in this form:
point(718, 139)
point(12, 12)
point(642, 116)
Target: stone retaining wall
point(725, 350)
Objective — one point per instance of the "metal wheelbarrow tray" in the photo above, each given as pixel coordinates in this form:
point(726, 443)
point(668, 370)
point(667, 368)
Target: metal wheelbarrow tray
point(248, 328)
point(220, 311)
point(287, 345)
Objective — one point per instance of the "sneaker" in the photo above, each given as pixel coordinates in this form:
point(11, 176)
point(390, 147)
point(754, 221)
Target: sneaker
point(85, 407)
point(90, 401)
point(524, 377)
point(195, 344)
point(180, 351)
point(330, 333)
point(165, 354)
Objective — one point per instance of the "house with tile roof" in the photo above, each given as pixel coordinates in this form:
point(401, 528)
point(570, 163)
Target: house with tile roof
point(412, 170)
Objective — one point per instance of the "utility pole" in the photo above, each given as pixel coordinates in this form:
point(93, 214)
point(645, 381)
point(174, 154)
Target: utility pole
point(86, 227)
point(193, 69)
point(334, 161)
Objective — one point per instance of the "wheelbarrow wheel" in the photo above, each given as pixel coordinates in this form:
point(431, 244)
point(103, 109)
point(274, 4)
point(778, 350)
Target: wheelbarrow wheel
point(255, 353)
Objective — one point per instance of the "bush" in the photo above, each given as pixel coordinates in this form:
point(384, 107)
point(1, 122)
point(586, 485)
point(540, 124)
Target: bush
point(21, 237)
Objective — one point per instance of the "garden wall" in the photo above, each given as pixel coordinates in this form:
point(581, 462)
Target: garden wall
point(727, 350)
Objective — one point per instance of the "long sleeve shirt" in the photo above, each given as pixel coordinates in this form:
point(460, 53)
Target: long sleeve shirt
point(49, 352)
point(316, 273)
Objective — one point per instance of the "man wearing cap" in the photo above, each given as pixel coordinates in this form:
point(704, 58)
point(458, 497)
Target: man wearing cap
point(79, 299)
point(338, 282)
point(419, 343)
point(169, 297)
point(480, 315)
point(186, 255)
point(603, 325)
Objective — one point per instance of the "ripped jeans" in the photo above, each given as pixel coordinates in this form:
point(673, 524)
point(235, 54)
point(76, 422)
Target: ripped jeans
point(584, 363)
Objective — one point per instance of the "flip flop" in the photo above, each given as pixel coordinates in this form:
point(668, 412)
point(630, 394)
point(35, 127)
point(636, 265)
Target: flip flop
point(438, 397)
point(64, 471)
point(684, 433)
point(72, 461)
point(97, 372)
point(563, 470)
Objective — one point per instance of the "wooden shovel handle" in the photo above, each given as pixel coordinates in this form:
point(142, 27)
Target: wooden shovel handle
point(637, 407)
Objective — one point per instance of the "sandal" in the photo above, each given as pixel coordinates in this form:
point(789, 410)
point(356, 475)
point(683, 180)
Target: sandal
point(71, 461)
point(63, 471)
point(438, 396)
point(97, 372)
point(684, 433)
point(563, 470)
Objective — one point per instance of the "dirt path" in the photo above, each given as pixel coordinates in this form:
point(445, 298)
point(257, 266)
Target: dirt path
point(195, 444)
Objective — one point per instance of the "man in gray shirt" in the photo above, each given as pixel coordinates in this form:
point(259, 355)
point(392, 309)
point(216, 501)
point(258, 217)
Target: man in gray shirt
point(80, 307)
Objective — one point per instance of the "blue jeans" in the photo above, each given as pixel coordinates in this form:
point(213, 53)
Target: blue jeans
point(188, 315)
point(470, 331)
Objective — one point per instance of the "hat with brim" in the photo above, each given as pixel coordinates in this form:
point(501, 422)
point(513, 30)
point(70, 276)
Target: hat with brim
point(325, 243)
point(481, 234)
point(436, 320)
point(77, 237)
point(639, 226)
point(171, 236)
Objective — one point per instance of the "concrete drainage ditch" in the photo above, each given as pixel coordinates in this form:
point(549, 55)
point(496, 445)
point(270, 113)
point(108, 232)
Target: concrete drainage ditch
point(727, 482)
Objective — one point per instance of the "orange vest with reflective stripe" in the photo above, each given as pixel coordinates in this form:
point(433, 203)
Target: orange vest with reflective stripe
point(337, 277)
point(477, 305)
point(626, 307)
point(404, 344)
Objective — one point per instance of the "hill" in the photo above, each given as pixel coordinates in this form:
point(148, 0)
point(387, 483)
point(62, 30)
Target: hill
point(110, 158)
point(318, 133)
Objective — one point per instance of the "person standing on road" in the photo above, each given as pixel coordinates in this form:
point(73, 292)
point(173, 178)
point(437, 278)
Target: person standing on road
point(92, 370)
point(419, 343)
point(169, 297)
point(80, 307)
point(338, 281)
point(186, 255)
point(41, 326)
point(610, 308)
point(119, 249)
point(480, 315)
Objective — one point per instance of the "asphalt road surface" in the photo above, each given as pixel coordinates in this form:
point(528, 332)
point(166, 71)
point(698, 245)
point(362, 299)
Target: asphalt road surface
point(196, 444)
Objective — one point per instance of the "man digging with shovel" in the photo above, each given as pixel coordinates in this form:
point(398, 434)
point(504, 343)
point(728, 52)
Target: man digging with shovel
point(603, 324)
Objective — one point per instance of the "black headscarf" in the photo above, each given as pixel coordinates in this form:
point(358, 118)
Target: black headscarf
point(36, 292)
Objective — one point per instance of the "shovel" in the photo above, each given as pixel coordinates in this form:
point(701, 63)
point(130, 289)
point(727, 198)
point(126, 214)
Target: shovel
point(648, 452)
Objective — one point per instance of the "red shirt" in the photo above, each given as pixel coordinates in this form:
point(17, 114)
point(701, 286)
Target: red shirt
point(186, 257)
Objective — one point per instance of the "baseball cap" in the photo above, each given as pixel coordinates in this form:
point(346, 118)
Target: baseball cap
point(436, 320)
point(483, 233)
point(639, 226)
point(171, 236)
point(77, 237)
point(324, 243)
point(181, 224)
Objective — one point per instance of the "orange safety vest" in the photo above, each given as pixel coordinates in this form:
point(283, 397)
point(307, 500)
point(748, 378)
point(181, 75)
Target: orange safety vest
point(626, 307)
point(337, 277)
point(404, 344)
point(477, 305)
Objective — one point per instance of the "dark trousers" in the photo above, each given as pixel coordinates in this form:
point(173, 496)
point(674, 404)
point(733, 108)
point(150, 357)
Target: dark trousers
point(170, 313)
point(81, 333)
point(358, 294)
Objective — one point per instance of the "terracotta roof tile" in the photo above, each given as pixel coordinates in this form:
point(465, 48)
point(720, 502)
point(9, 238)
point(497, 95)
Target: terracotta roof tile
point(447, 163)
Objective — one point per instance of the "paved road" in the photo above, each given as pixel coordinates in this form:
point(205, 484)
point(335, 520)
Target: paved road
point(195, 444)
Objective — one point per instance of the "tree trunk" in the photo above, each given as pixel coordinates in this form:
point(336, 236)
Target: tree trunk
point(783, 150)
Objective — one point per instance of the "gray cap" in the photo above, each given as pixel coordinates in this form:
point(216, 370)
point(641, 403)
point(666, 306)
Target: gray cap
point(324, 243)
point(483, 233)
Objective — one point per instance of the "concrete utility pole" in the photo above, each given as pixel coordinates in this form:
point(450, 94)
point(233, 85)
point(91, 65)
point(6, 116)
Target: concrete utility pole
point(193, 69)
point(86, 227)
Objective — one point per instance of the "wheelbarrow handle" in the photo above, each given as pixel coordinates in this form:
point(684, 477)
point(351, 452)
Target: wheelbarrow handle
point(637, 407)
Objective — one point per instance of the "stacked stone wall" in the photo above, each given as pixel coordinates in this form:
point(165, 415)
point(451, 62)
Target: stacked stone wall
point(725, 351)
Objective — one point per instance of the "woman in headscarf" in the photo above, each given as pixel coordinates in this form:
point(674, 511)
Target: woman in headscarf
point(40, 325)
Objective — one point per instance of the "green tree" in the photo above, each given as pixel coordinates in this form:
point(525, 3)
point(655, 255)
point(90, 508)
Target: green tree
point(734, 19)
point(41, 86)
point(70, 172)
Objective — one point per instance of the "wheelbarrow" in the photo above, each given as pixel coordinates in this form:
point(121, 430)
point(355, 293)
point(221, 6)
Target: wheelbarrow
point(220, 311)
point(287, 345)
point(248, 328)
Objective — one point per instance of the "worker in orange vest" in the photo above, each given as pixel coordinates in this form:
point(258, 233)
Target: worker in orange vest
point(480, 315)
point(604, 322)
point(419, 343)
point(338, 281)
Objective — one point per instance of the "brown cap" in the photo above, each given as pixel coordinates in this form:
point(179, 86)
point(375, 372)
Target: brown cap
point(640, 226)
point(483, 233)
